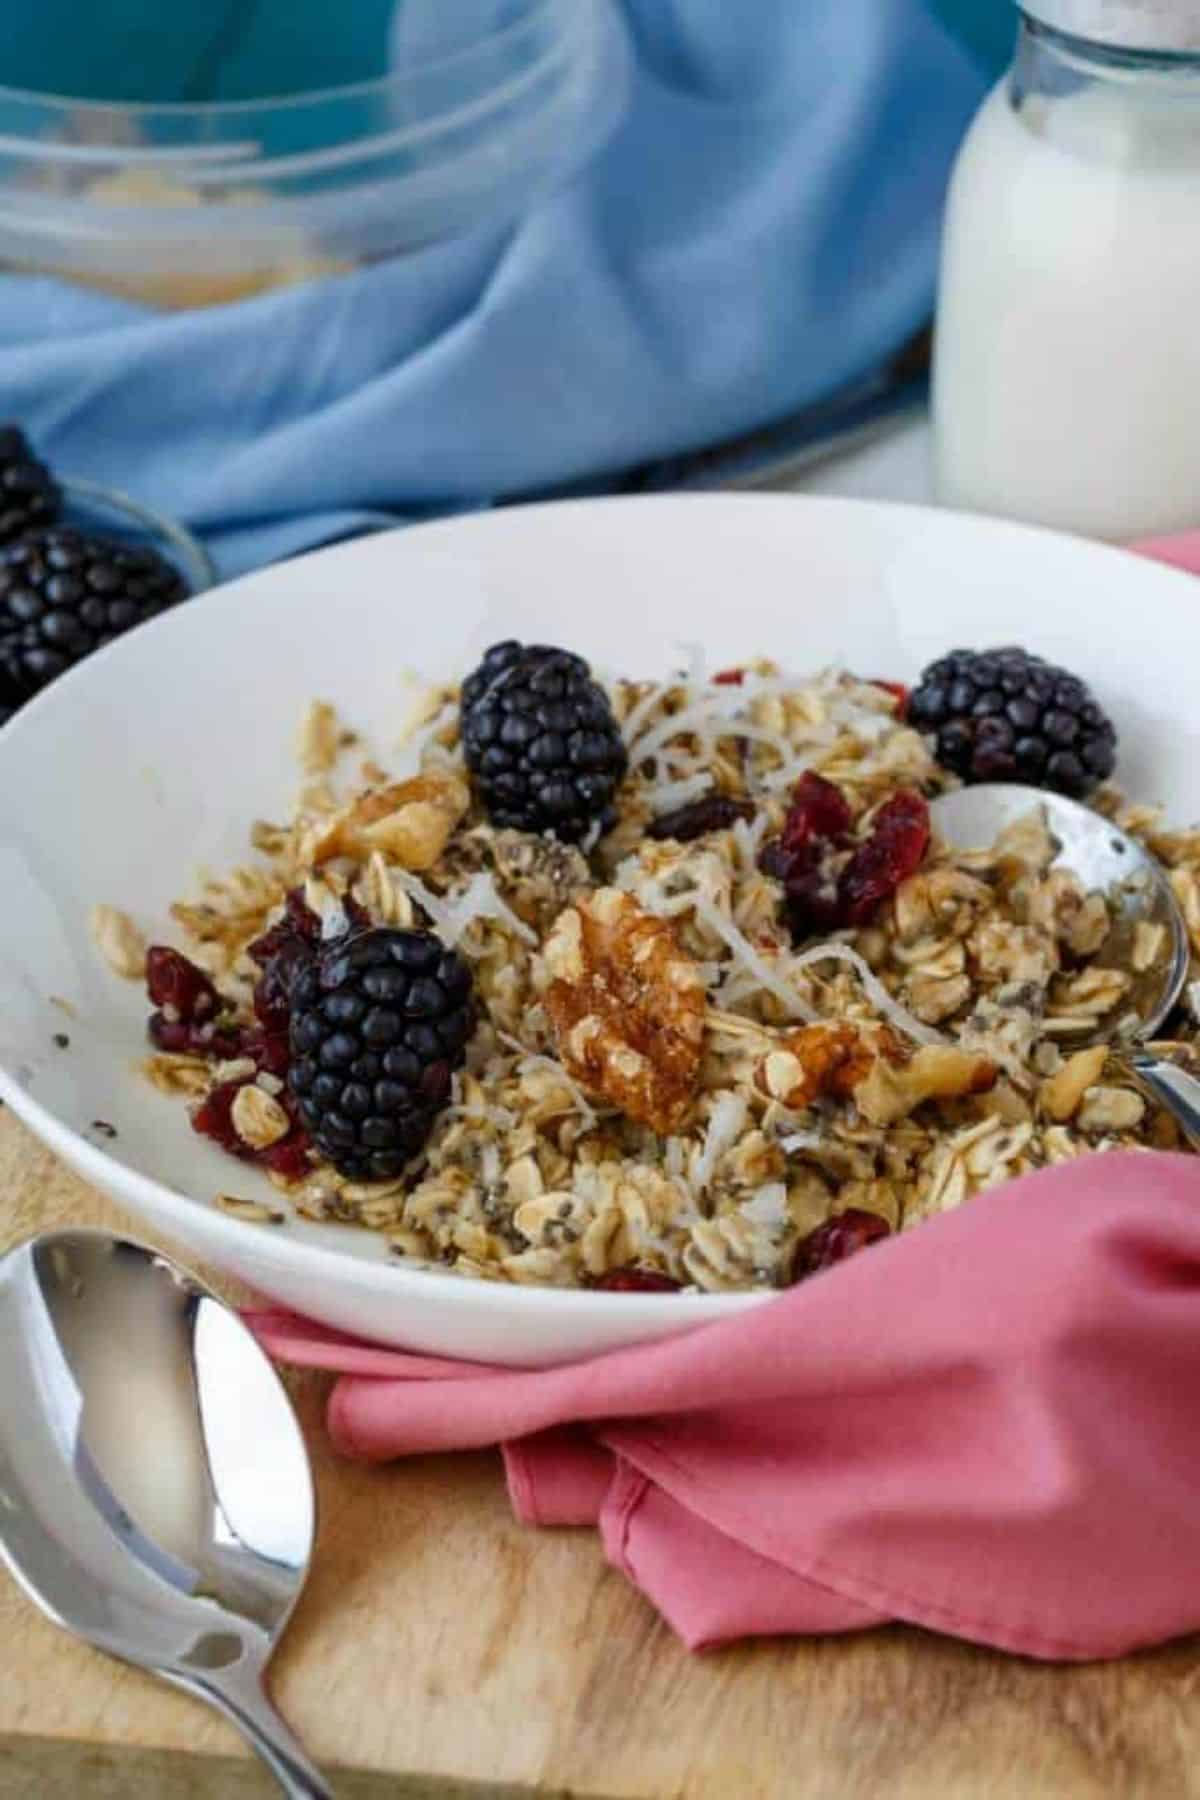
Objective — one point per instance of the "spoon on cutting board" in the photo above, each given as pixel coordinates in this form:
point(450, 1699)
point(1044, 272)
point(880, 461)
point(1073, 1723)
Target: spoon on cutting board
point(1108, 861)
point(155, 1491)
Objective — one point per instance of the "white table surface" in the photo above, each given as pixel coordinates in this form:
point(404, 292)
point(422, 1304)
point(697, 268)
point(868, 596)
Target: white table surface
point(896, 467)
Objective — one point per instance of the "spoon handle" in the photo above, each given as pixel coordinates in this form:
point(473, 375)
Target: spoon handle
point(243, 1700)
point(1171, 1086)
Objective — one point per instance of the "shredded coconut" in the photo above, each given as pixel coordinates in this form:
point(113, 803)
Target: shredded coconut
point(708, 723)
point(645, 709)
point(801, 1140)
point(533, 1059)
point(669, 794)
point(696, 673)
point(748, 835)
point(489, 1165)
point(887, 1004)
point(724, 1129)
point(743, 952)
point(768, 1206)
point(438, 910)
point(480, 899)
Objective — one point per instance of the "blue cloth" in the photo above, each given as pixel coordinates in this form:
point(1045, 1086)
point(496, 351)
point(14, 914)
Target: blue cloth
point(762, 227)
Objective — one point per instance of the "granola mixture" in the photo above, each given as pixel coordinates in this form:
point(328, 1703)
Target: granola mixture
point(661, 1077)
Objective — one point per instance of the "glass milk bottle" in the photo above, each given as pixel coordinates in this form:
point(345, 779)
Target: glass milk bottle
point(1067, 361)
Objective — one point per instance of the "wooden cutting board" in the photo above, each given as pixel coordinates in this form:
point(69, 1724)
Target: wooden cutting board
point(442, 1650)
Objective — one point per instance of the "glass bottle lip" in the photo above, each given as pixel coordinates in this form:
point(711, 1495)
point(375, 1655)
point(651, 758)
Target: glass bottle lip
point(1153, 27)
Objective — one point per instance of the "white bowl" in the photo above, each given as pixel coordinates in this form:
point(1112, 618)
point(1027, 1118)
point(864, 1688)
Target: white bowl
point(153, 757)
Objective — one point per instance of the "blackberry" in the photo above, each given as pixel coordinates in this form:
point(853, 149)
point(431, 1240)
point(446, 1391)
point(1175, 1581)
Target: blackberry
point(11, 697)
point(1006, 715)
point(29, 495)
point(541, 741)
point(379, 1023)
point(63, 594)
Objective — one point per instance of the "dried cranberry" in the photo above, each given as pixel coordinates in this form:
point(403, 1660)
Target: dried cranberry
point(273, 991)
point(893, 852)
point(284, 950)
point(288, 1158)
point(715, 812)
point(181, 1038)
point(729, 678)
point(298, 921)
point(636, 1281)
point(268, 1050)
point(213, 1118)
point(806, 857)
point(819, 814)
point(175, 981)
point(818, 810)
point(898, 691)
point(829, 886)
point(813, 898)
point(835, 1240)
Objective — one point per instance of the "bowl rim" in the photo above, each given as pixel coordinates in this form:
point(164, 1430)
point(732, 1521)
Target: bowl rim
point(204, 112)
point(164, 1204)
point(201, 570)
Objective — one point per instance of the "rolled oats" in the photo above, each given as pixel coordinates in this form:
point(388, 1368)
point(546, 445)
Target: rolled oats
point(253, 1212)
point(658, 1078)
point(258, 1118)
point(320, 739)
point(1109, 1109)
point(175, 1075)
point(119, 942)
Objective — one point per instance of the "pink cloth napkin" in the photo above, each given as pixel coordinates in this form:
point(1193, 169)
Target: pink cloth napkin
point(989, 1427)
point(1183, 551)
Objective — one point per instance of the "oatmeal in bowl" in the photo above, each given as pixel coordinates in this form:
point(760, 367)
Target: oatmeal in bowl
point(660, 986)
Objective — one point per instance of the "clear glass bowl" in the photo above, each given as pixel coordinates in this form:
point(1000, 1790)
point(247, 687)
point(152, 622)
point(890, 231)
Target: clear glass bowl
point(92, 507)
point(188, 205)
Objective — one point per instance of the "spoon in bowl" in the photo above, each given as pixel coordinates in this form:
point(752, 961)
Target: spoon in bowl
point(155, 1491)
point(1107, 861)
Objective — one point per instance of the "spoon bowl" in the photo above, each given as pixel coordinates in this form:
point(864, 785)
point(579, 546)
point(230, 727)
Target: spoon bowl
point(155, 1491)
point(1110, 862)
point(1106, 861)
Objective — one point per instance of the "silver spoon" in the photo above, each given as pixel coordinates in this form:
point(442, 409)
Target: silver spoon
point(1107, 861)
point(155, 1491)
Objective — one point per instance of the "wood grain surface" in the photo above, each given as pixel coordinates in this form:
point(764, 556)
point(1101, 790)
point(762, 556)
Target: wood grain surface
point(441, 1650)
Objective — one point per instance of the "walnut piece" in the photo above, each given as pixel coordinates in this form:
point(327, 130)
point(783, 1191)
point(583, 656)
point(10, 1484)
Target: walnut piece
point(890, 1091)
point(408, 822)
point(813, 1061)
point(627, 1006)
